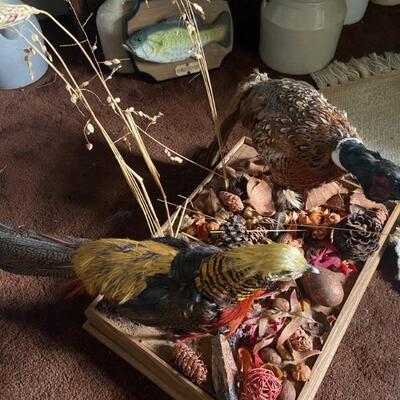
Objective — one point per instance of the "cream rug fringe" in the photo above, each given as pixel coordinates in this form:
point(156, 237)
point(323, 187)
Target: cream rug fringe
point(338, 72)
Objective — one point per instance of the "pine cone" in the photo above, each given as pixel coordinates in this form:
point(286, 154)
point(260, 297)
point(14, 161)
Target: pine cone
point(231, 201)
point(189, 362)
point(358, 234)
point(234, 233)
point(259, 234)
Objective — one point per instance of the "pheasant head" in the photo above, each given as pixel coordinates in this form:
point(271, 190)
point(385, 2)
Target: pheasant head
point(379, 178)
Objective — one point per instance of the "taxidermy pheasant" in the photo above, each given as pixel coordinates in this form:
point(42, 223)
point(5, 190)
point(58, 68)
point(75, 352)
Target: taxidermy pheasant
point(167, 282)
point(304, 140)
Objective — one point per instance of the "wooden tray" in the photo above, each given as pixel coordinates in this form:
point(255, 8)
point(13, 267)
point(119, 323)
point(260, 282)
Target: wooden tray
point(147, 356)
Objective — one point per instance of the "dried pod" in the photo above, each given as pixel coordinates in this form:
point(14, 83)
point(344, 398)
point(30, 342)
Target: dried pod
point(315, 217)
point(270, 355)
point(281, 304)
point(233, 202)
point(207, 202)
point(223, 214)
point(332, 219)
point(301, 372)
point(189, 362)
point(288, 391)
point(301, 341)
point(275, 369)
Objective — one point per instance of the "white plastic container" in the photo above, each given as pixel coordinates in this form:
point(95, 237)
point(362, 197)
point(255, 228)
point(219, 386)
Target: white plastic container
point(109, 21)
point(14, 70)
point(355, 11)
point(300, 36)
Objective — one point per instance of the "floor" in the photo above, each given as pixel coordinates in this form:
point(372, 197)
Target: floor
point(53, 184)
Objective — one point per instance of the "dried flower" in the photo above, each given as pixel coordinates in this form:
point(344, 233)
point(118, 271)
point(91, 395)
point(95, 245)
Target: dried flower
point(189, 362)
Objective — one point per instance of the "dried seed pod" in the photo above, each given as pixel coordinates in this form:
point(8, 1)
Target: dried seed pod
point(233, 202)
point(281, 304)
point(315, 217)
point(301, 372)
point(223, 214)
point(189, 362)
point(332, 219)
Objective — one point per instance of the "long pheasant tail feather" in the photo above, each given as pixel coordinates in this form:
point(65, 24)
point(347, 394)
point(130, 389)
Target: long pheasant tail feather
point(25, 252)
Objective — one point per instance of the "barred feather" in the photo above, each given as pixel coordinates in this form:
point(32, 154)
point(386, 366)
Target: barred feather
point(238, 273)
point(119, 268)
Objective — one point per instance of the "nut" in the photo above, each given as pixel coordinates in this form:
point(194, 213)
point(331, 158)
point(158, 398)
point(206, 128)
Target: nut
point(270, 355)
point(249, 213)
point(281, 304)
point(301, 372)
point(301, 341)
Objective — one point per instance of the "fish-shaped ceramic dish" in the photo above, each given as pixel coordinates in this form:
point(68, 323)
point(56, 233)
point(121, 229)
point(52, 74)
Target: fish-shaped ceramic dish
point(169, 41)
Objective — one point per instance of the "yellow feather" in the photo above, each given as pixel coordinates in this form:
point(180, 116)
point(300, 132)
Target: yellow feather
point(118, 268)
point(270, 260)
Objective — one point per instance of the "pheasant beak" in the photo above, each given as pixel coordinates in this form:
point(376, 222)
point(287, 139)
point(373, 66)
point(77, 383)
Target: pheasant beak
point(312, 269)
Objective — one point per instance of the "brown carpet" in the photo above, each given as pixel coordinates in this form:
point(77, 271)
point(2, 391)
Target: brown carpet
point(53, 184)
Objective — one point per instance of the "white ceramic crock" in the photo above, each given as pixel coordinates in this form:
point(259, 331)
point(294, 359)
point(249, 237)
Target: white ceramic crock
point(14, 70)
point(355, 11)
point(300, 36)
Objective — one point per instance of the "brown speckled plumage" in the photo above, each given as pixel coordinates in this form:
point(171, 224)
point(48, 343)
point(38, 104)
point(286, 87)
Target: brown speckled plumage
point(293, 127)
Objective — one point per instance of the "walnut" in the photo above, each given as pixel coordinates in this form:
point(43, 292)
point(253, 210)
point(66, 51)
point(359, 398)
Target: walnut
point(275, 369)
point(301, 372)
point(301, 341)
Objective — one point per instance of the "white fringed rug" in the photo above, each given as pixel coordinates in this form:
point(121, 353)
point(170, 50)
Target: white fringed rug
point(368, 89)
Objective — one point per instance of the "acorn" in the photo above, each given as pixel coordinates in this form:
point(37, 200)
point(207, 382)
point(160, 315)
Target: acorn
point(249, 213)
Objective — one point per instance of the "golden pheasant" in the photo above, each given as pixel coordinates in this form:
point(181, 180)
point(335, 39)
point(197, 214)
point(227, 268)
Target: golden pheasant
point(304, 140)
point(176, 284)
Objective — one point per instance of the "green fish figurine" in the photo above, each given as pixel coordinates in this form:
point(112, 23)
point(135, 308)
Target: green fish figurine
point(169, 41)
